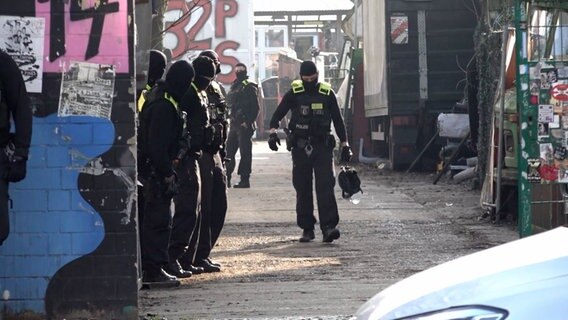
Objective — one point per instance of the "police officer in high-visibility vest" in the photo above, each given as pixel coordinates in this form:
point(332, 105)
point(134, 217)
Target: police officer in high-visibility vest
point(314, 106)
point(244, 108)
point(15, 113)
point(160, 140)
point(185, 221)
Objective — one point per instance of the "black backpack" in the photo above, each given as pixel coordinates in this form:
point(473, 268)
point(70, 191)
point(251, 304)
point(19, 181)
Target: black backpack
point(349, 182)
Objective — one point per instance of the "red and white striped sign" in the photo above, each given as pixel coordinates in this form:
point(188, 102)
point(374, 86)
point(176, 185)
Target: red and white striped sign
point(399, 29)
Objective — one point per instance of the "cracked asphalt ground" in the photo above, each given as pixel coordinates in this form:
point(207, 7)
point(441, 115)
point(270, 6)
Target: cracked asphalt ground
point(403, 225)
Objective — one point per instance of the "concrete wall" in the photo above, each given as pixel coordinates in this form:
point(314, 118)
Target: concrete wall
point(72, 251)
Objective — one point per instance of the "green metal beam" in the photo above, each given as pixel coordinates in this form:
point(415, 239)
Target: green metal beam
point(528, 115)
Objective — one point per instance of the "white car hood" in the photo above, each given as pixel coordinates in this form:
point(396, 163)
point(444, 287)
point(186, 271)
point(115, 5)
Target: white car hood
point(481, 276)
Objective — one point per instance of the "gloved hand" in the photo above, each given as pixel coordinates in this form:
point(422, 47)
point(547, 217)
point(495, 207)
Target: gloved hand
point(273, 141)
point(346, 154)
point(15, 170)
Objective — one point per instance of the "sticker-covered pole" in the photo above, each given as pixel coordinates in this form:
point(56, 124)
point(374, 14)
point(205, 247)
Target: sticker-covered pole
point(527, 166)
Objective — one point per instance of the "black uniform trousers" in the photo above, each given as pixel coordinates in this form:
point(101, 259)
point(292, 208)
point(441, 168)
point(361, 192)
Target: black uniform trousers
point(213, 208)
point(240, 138)
point(319, 165)
point(4, 199)
point(186, 206)
point(156, 228)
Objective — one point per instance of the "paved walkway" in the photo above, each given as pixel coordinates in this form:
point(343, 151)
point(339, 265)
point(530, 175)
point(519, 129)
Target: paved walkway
point(267, 273)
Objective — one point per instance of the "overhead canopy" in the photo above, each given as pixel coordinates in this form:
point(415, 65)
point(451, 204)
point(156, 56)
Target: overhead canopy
point(300, 14)
point(301, 7)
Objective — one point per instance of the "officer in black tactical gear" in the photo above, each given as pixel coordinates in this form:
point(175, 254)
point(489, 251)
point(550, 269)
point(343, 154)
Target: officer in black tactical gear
point(15, 105)
point(244, 108)
point(185, 223)
point(161, 139)
point(314, 106)
point(213, 208)
point(156, 67)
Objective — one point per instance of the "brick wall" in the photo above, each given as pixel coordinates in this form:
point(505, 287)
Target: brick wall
point(72, 250)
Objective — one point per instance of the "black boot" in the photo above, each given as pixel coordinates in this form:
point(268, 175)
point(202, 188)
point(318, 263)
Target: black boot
point(192, 268)
point(213, 263)
point(228, 181)
point(159, 279)
point(330, 234)
point(307, 236)
point(207, 266)
point(244, 183)
point(175, 269)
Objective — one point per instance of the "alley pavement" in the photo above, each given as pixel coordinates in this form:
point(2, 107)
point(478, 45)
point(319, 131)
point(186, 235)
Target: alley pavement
point(400, 227)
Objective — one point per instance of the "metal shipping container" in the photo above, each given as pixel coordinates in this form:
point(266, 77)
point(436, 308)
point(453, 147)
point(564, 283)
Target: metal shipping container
point(415, 70)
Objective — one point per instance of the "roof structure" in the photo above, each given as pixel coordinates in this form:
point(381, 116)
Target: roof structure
point(301, 14)
point(301, 7)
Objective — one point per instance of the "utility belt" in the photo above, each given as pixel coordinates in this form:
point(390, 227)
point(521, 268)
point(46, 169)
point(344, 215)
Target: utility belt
point(301, 142)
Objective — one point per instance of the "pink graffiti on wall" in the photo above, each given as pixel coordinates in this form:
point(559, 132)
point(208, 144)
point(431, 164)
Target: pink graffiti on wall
point(223, 10)
point(85, 30)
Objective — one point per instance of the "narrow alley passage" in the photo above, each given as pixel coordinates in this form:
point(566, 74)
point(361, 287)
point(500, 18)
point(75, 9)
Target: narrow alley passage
point(402, 225)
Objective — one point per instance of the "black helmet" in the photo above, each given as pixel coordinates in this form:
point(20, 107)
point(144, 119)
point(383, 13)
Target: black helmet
point(156, 66)
point(178, 78)
point(213, 56)
point(349, 182)
point(204, 66)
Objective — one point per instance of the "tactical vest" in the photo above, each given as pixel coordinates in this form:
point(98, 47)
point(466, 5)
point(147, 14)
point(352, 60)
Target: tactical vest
point(312, 117)
point(202, 95)
point(217, 105)
point(236, 111)
point(143, 97)
point(144, 117)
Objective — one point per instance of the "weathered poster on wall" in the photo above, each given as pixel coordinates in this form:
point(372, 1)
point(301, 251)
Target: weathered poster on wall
point(23, 39)
point(87, 90)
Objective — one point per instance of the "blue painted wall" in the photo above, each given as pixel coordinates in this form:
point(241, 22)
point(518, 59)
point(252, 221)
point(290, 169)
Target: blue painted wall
point(73, 242)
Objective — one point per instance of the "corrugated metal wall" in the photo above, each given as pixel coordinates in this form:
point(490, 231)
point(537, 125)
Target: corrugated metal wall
point(429, 44)
point(449, 27)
